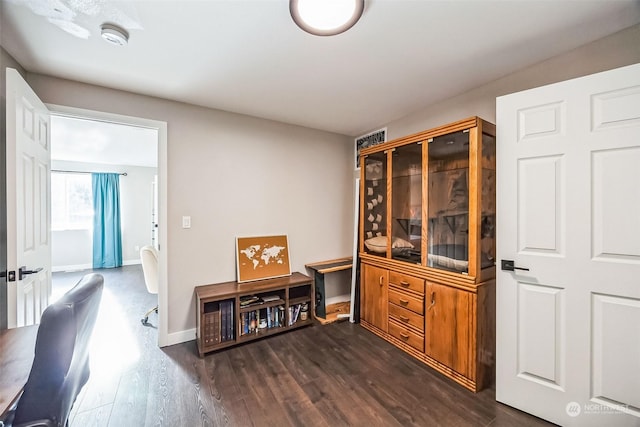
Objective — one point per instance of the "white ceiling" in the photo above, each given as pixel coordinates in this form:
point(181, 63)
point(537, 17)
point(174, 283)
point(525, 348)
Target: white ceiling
point(89, 141)
point(249, 57)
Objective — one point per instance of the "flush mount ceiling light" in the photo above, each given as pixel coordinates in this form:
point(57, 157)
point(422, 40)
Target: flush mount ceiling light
point(114, 34)
point(326, 17)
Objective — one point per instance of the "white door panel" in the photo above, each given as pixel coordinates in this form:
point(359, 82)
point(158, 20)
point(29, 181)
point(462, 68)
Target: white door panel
point(568, 329)
point(28, 205)
point(541, 336)
point(541, 205)
point(616, 349)
point(615, 232)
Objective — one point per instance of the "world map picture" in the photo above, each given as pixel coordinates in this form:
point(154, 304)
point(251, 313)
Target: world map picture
point(262, 257)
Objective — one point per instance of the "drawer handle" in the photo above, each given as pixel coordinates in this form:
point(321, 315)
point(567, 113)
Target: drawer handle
point(404, 301)
point(405, 284)
point(404, 318)
point(404, 336)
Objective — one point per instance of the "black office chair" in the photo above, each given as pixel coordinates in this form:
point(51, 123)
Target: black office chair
point(61, 363)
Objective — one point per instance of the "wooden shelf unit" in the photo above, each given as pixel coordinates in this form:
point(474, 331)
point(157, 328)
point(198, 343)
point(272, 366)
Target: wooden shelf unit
point(218, 310)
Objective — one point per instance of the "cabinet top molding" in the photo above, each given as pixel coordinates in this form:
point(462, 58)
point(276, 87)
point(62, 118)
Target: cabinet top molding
point(460, 125)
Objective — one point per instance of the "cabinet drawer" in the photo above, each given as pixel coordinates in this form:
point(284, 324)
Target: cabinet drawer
point(406, 282)
point(404, 316)
point(404, 300)
point(405, 335)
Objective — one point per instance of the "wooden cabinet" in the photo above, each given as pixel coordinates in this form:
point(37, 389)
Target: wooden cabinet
point(427, 221)
point(450, 319)
point(374, 296)
point(232, 313)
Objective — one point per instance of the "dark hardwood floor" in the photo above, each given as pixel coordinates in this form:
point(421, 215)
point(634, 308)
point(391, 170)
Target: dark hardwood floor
point(333, 375)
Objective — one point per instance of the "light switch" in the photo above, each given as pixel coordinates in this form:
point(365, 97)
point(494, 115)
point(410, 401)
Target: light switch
point(186, 222)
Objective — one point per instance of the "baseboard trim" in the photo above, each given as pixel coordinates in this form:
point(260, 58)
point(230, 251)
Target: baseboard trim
point(78, 267)
point(179, 337)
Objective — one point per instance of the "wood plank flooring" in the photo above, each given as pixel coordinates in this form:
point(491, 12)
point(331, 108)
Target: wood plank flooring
point(331, 375)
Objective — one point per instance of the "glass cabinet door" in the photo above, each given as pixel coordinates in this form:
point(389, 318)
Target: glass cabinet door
point(406, 203)
point(448, 202)
point(488, 216)
point(375, 204)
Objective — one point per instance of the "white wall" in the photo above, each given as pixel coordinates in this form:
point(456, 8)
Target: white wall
point(616, 50)
point(234, 175)
point(72, 249)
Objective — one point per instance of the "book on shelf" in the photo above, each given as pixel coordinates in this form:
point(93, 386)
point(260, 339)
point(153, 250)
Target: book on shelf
point(281, 320)
point(223, 321)
point(253, 321)
point(243, 324)
point(211, 327)
point(294, 313)
point(229, 321)
point(232, 323)
point(215, 328)
point(228, 334)
point(227, 324)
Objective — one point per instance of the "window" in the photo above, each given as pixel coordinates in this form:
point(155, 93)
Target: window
point(71, 201)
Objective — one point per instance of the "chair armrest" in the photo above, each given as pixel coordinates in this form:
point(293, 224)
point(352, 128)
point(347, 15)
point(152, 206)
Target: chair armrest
point(36, 423)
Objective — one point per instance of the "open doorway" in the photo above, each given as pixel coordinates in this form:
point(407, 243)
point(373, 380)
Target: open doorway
point(81, 147)
point(87, 141)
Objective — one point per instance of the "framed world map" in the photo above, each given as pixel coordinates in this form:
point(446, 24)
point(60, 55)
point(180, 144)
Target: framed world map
point(262, 257)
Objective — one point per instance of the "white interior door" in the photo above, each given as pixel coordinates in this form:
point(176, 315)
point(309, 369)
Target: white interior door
point(28, 205)
point(568, 329)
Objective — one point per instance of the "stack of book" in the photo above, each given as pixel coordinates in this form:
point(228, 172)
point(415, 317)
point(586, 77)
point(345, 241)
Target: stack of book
point(262, 319)
point(250, 300)
point(218, 324)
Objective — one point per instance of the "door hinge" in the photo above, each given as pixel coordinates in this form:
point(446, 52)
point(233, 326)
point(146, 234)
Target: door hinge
point(11, 276)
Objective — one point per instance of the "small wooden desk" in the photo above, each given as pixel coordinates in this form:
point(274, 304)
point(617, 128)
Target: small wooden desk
point(17, 348)
point(329, 313)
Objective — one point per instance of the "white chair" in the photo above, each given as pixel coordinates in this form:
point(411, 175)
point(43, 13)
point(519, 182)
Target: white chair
point(149, 258)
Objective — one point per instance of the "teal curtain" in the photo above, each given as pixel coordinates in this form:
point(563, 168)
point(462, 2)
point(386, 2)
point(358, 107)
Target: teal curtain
point(107, 236)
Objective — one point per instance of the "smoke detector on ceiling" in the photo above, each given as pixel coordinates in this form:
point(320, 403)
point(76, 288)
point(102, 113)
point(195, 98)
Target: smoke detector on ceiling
point(115, 35)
